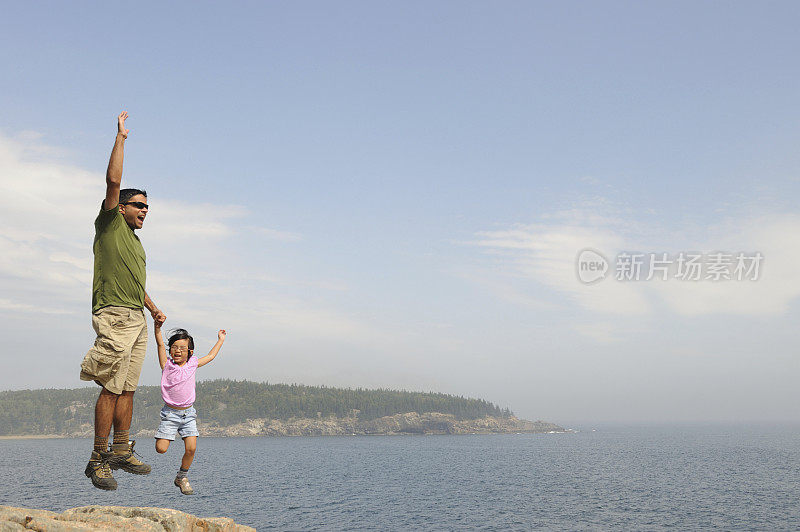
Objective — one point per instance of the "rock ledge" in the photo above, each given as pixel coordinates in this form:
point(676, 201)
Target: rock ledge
point(408, 423)
point(113, 518)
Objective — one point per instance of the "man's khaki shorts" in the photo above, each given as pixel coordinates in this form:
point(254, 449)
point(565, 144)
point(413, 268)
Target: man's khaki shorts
point(115, 361)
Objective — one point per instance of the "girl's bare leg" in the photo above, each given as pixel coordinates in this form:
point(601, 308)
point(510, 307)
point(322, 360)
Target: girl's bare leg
point(188, 456)
point(162, 445)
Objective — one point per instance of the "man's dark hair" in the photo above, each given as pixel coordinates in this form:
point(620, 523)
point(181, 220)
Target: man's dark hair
point(181, 334)
point(126, 194)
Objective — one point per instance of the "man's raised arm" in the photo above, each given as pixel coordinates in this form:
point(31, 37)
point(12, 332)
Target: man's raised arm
point(114, 172)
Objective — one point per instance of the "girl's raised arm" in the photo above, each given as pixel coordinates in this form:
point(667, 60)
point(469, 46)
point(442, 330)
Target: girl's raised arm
point(162, 351)
point(214, 350)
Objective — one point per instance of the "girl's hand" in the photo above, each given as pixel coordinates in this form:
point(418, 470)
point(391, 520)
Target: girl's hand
point(221, 334)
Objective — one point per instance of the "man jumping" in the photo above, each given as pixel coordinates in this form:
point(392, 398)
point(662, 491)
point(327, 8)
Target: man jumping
point(118, 297)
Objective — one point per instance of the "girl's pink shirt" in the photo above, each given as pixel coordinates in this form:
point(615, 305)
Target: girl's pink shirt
point(177, 383)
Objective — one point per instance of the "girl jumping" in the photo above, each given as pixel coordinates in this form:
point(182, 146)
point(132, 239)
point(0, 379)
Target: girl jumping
point(178, 391)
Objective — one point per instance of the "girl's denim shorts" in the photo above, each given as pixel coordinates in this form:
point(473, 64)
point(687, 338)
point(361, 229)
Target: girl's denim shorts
point(173, 420)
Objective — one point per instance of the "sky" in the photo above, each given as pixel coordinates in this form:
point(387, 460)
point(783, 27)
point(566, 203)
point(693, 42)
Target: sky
point(395, 195)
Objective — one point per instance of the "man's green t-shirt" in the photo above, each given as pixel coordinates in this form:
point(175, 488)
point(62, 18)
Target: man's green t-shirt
point(119, 263)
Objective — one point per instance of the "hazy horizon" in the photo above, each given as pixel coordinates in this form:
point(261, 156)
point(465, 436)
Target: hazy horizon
point(581, 424)
point(397, 196)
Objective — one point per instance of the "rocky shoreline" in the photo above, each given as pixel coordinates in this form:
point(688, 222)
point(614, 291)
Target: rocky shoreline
point(408, 423)
point(113, 518)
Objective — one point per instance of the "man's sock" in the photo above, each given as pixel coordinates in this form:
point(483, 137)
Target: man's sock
point(101, 444)
point(182, 473)
point(121, 436)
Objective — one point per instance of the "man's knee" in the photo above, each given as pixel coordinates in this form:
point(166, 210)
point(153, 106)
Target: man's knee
point(104, 392)
point(106, 401)
point(162, 446)
point(125, 398)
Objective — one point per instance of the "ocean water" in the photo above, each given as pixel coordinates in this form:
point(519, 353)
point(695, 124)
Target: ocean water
point(643, 478)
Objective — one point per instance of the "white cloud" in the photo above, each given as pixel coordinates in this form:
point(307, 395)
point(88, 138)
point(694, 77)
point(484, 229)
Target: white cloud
point(603, 332)
point(274, 234)
point(49, 205)
point(779, 280)
point(171, 222)
point(544, 253)
point(46, 208)
point(8, 305)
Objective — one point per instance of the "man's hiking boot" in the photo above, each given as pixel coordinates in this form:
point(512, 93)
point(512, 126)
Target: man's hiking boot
point(123, 458)
point(183, 484)
point(99, 471)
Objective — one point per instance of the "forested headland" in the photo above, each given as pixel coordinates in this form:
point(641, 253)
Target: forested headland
point(227, 403)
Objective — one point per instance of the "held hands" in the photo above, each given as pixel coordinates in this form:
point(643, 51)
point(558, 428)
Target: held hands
point(121, 124)
point(158, 318)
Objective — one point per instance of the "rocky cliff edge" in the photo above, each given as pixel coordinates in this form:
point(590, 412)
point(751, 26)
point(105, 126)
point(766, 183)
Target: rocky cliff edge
point(113, 518)
point(409, 423)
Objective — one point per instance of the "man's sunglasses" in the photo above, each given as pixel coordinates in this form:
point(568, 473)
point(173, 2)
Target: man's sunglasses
point(137, 204)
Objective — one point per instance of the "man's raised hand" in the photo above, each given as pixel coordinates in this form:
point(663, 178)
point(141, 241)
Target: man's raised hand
point(121, 124)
